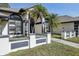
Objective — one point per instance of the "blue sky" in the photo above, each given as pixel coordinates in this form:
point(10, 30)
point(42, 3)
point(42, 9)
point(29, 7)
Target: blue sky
point(71, 9)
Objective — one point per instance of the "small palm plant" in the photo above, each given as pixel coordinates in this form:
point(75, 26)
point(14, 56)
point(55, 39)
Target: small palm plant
point(53, 22)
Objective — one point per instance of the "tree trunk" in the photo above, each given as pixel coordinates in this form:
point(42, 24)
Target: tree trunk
point(50, 30)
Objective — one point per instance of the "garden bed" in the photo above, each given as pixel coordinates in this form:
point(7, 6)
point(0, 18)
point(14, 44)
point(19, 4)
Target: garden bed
point(56, 36)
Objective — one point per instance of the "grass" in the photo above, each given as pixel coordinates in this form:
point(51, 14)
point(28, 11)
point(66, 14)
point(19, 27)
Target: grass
point(56, 36)
point(53, 49)
point(75, 39)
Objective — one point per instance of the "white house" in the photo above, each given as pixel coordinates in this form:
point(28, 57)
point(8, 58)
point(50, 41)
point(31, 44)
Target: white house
point(68, 23)
point(20, 31)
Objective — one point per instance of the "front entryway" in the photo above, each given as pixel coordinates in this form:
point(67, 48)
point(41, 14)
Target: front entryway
point(76, 27)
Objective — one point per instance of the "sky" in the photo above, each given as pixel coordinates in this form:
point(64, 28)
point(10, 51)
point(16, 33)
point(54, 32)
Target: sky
point(70, 9)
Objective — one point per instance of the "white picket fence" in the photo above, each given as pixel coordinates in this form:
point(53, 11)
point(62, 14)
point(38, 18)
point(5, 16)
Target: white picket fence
point(7, 47)
point(68, 34)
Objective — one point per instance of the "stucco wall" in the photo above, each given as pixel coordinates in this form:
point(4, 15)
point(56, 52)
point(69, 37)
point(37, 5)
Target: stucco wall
point(3, 28)
point(65, 27)
point(38, 29)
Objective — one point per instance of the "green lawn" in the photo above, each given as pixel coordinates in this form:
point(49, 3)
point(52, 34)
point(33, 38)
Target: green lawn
point(75, 39)
point(56, 36)
point(53, 49)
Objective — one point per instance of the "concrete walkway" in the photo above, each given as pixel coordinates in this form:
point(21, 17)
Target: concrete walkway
point(76, 45)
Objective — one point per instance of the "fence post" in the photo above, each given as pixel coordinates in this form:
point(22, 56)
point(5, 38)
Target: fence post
point(32, 40)
point(74, 33)
point(65, 35)
point(71, 34)
point(48, 38)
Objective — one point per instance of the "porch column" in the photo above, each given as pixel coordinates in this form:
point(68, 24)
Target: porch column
point(48, 38)
point(43, 25)
point(32, 40)
point(28, 24)
point(24, 22)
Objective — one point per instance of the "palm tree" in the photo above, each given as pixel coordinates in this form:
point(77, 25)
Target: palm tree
point(52, 21)
point(40, 12)
point(30, 20)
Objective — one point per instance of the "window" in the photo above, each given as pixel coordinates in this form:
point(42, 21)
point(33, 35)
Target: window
point(15, 24)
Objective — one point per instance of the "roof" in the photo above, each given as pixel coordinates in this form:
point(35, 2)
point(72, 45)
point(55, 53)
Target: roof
point(3, 15)
point(28, 6)
point(9, 10)
point(66, 18)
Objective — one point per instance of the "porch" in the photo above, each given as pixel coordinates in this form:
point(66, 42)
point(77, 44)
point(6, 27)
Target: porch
point(22, 32)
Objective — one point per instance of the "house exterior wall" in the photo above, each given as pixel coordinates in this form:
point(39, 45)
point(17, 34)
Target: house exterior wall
point(38, 29)
point(68, 26)
point(4, 27)
point(64, 27)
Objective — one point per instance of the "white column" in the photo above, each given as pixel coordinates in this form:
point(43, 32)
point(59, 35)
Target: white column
point(48, 38)
point(32, 40)
point(62, 35)
point(43, 24)
point(74, 33)
point(71, 34)
point(4, 45)
point(65, 35)
point(28, 25)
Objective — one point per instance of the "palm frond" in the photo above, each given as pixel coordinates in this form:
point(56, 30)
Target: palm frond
point(53, 21)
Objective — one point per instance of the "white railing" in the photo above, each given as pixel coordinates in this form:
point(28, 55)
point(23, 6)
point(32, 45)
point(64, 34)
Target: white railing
point(68, 34)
